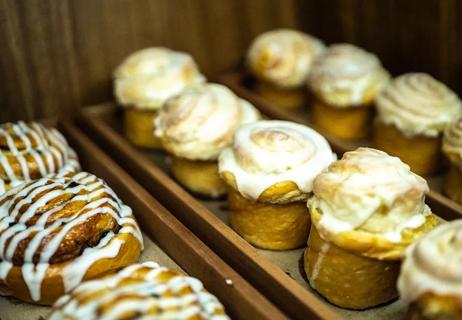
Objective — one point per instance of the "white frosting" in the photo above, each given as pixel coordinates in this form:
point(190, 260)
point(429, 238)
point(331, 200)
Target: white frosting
point(346, 76)
point(148, 77)
point(267, 152)
point(155, 292)
point(200, 122)
point(35, 149)
point(417, 104)
point(367, 188)
point(20, 204)
point(283, 57)
point(433, 264)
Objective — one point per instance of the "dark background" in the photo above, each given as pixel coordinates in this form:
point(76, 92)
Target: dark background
point(58, 55)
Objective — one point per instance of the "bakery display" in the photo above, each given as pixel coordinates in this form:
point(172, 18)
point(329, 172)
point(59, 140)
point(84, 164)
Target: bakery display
point(430, 281)
point(270, 170)
point(281, 60)
point(412, 113)
point(452, 148)
point(140, 291)
point(142, 83)
point(367, 208)
point(194, 127)
point(30, 151)
point(58, 231)
point(344, 82)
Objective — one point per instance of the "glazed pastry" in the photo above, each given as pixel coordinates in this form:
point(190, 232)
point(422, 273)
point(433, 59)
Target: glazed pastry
point(30, 151)
point(413, 111)
point(280, 60)
point(57, 231)
point(366, 209)
point(270, 171)
point(344, 81)
point(431, 281)
point(452, 148)
point(194, 127)
point(143, 82)
point(140, 291)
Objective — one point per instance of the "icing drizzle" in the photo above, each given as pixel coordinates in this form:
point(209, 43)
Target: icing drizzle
point(142, 290)
point(30, 151)
point(44, 212)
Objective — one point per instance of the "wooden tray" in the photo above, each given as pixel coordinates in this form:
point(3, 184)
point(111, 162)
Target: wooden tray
point(275, 274)
point(242, 85)
point(167, 241)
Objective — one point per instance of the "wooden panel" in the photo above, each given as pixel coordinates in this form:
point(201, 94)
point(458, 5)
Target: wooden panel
point(57, 55)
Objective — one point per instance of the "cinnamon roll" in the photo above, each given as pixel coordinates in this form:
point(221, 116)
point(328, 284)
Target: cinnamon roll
point(280, 60)
point(431, 281)
point(58, 231)
point(413, 112)
point(194, 127)
point(452, 148)
point(142, 83)
point(30, 151)
point(344, 81)
point(140, 291)
point(366, 209)
point(270, 169)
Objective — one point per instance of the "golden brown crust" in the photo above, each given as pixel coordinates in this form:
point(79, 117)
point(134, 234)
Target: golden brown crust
point(198, 176)
point(453, 183)
point(421, 153)
point(59, 231)
point(432, 306)
point(289, 98)
point(139, 127)
point(344, 123)
point(269, 226)
point(346, 279)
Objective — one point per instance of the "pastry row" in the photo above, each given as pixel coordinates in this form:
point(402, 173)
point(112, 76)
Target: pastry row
point(66, 238)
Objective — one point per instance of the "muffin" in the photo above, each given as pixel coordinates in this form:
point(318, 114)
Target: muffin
point(270, 170)
point(412, 113)
point(194, 127)
point(280, 61)
point(431, 281)
point(344, 82)
point(366, 209)
point(452, 148)
point(142, 83)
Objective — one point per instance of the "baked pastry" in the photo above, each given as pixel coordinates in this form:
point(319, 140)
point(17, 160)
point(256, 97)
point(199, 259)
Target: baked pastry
point(345, 81)
point(430, 281)
point(142, 83)
point(412, 113)
point(452, 148)
point(270, 170)
point(57, 231)
point(30, 151)
point(140, 291)
point(280, 60)
point(366, 209)
point(194, 127)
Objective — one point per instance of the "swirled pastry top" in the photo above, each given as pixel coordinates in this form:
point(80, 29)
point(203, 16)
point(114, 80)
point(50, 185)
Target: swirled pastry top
point(200, 122)
point(268, 152)
point(31, 151)
point(148, 77)
point(434, 264)
point(452, 142)
point(140, 291)
point(283, 57)
point(417, 104)
point(368, 190)
point(346, 75)
point(68, 221)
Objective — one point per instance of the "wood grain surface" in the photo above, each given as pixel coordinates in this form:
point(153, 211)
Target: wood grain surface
point(57, 55)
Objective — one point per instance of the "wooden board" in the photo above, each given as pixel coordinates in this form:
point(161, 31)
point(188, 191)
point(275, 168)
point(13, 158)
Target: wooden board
point(242, 86)
point(276, 274)
point(168, 235)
